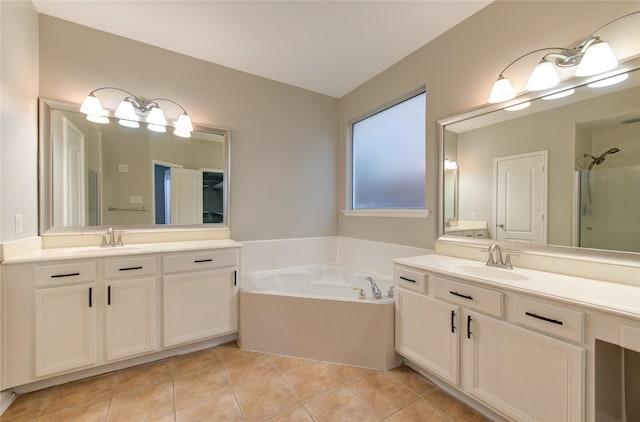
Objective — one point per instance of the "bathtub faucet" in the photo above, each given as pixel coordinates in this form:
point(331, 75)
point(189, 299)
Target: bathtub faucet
point(377, 294)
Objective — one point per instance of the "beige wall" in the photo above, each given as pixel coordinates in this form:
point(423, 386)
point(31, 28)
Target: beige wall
point(18, 121)
point(458, 69)
point(283, 139)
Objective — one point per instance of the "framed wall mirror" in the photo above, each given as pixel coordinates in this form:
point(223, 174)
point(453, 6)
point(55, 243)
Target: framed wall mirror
point(93, 176)
point(561, 172)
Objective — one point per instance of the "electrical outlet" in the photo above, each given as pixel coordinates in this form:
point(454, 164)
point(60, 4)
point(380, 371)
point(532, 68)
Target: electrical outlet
point(474, 215)
point(18, 223)
point(123, 168)
point(135, 199)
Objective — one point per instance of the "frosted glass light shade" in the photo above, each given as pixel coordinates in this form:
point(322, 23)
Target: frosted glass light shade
point(502, 91)
point(126, 111)
point(157, 128)
point(103, 120)
point(156, 117)
point(184, 124)
point(544, 76)
point(609, 81)
point(597, 59)
point(129, 123)
point(182, 133)
point(92, 105)
point(520, 106)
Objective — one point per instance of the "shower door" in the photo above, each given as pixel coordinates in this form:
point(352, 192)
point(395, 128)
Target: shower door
point(610, 208)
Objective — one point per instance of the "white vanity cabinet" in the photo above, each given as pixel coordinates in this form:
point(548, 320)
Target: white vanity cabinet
point(460, 332)
point(65, 317)
point(61, 316)
point(200, 296)
point(130, 312)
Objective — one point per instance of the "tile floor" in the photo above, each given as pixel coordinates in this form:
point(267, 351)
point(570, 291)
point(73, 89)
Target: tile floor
point(228, 384)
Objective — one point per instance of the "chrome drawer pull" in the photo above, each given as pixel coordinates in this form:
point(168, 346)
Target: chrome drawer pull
point(461, 295)
point(407, 279)
point(65, 275)
point(197, 261)
point(551, 320)
point(130, 268)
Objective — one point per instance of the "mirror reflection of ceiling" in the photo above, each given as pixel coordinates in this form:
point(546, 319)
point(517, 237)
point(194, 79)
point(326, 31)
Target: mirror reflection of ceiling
point(111, 175)
point(596, 208)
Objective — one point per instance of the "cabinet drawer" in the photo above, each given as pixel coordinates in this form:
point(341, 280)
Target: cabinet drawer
point(69, 273)
point(410, 279)
point(130, 267)
point(200, 260)
point(550, 319)
point(472, 297)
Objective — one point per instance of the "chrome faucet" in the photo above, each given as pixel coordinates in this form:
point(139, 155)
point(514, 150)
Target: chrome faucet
point(495, 257)
point(377, 294)
point(112, 239)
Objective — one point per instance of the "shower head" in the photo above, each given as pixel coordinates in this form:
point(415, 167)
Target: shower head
point(600, 159)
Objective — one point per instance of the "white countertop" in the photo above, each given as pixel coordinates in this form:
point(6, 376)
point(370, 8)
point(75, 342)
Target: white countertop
point(601, 295)
point(84, 252)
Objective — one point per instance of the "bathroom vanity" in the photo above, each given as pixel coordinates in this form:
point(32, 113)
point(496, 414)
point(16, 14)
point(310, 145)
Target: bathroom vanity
point(522, 342)
point(70, 309)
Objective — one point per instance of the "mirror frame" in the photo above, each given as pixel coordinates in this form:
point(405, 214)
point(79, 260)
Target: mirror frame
point(45, 180)
point(538, 249)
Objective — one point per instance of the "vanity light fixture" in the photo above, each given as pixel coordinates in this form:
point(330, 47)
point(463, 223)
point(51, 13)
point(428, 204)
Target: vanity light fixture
point(449, 164)
point(592, 56)
point(132, 110)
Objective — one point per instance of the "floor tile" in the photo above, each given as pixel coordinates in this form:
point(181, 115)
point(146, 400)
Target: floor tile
point(143, 375)
point(94, 412)
point(453, 408)
point(348, 373)
point(79, 393)
point(286, 363)
point(383, 392)
point(196, 361)
point(340, 405)
point(26, 406)
point(310, 380)
point(297, 414)
point(142, 404)
point(199, 386)
point(223, 407)
point(418, 411)
point(267, 398)
point(230, 352)
point(249, 370)
point(413, 380)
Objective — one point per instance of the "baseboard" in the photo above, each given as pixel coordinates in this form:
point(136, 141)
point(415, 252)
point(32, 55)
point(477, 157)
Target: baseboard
point(6, 398)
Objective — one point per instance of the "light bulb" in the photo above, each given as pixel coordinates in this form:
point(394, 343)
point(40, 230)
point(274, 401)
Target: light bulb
point(502, 91)
point(544, 76)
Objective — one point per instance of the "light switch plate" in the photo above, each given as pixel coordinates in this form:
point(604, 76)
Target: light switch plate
point(123, 168)
point(135, 199)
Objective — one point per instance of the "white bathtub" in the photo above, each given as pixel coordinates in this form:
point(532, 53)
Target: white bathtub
point(315, 313)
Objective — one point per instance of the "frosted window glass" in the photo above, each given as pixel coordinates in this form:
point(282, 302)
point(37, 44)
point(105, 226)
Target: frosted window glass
point(389, 157)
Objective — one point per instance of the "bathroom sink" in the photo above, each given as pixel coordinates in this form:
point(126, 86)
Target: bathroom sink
point(490, 273)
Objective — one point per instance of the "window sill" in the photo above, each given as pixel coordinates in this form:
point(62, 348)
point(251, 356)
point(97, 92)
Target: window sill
point(387, 213)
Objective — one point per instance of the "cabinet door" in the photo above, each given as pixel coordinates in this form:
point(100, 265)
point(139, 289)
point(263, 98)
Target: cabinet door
point(427, 333)
point(525, 375)
point(65, 328)
point(198, 305)
point(130, 317)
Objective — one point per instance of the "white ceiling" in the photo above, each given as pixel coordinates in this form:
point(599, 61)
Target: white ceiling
point(330, 47)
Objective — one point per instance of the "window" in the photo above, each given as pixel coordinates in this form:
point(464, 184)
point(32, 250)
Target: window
point(388, 158)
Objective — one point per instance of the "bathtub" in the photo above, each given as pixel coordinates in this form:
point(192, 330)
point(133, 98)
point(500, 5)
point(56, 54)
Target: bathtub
point(315, 313)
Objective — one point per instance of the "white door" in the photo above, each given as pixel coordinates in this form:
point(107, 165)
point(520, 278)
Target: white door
point(186, 196)
point(526, 375)
point(130, 317)
point(65, 328)
point(427, 333)
point(198, 305)
point(520, 184)
point(74, 174)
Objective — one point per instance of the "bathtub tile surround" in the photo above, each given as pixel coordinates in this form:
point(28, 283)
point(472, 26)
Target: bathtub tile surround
point(199, 386)
point(375, 257)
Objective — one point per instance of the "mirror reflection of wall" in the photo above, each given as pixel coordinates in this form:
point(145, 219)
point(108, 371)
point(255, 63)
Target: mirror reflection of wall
point(574, 134)
point(106, 175)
